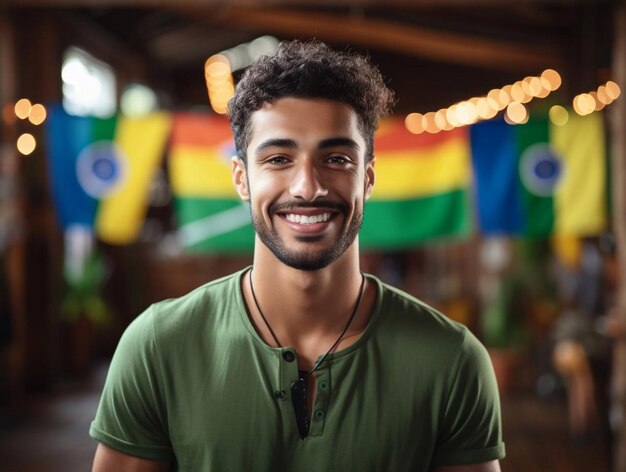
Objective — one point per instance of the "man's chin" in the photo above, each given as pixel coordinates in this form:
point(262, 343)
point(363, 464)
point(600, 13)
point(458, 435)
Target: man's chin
point(307, 265)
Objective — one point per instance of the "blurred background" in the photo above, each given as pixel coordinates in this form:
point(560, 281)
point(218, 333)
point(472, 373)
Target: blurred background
point(500, 195)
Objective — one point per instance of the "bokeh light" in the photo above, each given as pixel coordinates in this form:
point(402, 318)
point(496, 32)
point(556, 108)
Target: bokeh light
point(440, 119)
point(584, 104)
point(598, 104)
point(37, 114)
point(413, 123)
point(219, 81)
point(517, 113)
point(22, 108)
point(26, 144)
point(602, 96)
point(451, 116)
point(558, 115)
point(552, 79)
point(429, 124)
point(612, 90)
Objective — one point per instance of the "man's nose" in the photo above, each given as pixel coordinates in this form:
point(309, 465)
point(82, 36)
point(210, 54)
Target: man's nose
point(307, 183)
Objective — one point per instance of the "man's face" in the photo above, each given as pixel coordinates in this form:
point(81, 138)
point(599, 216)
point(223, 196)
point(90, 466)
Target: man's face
point(306, 180)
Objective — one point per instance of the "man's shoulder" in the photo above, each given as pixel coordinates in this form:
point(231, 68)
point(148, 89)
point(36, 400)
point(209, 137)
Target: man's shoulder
point(398, 303)
point(406, 317)
point(199, 306)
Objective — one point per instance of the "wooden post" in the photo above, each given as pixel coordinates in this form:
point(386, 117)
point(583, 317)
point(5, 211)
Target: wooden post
point(12, 357)
point(618, 135)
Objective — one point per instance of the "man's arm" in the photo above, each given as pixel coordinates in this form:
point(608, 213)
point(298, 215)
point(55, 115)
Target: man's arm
point(491, 466)
point(110, 460)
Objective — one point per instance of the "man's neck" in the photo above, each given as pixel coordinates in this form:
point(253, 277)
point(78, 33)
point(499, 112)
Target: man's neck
point(306, 308)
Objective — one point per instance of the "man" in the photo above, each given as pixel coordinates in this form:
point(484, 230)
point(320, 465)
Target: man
point(300, 362)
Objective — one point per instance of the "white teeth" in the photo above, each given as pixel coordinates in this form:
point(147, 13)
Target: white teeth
point(307, 220)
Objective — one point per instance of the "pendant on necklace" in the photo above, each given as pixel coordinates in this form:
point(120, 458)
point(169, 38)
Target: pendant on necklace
point(299, 401)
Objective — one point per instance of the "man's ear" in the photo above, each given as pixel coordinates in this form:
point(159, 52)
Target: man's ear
point(240, 179)
point(370, 177)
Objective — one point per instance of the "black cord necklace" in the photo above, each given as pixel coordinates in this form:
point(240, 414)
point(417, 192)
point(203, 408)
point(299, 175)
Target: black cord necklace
point(298, 387)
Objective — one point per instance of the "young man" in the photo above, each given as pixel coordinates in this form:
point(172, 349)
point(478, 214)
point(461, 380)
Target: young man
point(300, 362)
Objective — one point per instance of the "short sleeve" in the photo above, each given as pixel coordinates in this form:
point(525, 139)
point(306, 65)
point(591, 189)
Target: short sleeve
point(131, 415)
point(471, 429)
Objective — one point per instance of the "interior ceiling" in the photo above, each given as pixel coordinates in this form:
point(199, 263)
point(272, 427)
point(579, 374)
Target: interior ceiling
point(453, 48)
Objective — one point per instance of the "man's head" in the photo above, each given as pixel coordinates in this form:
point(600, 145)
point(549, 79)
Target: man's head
point(310, 70)
point(304, 123)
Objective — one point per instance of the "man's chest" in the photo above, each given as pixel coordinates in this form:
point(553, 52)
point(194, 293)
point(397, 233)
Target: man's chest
point(242, 417)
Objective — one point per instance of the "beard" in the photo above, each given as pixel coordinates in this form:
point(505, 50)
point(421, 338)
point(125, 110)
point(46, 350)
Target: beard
point(308, 259)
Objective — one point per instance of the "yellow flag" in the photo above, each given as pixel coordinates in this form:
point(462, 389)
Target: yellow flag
point(141, 142)
point(579, 199)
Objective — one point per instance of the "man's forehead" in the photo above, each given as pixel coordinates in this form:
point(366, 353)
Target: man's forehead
point(290, 116)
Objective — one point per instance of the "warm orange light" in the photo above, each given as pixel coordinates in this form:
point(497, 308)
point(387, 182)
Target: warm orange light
point(219, 80)
point(612, 90)
point(576, 105)
point(525, 83)
point(493, 99)
point(440, 119)
point(517, 92)
point(447, 126)
point(516, 112)
point(217, 58)
point(37, 114)
point(534, 86)
point(505, 96)
point(483, 109)
point(583, 104)
point(553, 78)
point(451, 116)
point(429, 124)
point(466, 113)
point(598, 104)
point(26, 144)
point(602, 96)
point(22, 108)
point(413, 123)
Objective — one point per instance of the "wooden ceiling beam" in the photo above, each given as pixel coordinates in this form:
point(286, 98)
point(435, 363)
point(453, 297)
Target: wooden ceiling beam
point(426, 43)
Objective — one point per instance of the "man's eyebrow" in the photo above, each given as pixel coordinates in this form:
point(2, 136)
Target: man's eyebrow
point(269, 143)
point(338, 142)
point(291, 144)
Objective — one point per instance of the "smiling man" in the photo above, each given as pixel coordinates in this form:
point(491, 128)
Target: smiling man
point(300, 362)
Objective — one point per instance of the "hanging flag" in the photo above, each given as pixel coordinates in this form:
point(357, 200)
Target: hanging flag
point(101, 170)
point(421, 189)
point(141, 141)
point(210, 215)
point(420, 192)
point(539, 179)
point(68, 136)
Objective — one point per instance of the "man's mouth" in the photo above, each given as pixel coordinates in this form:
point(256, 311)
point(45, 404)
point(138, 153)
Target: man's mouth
point(307, 219)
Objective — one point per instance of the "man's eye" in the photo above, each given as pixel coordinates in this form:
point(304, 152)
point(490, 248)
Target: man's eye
point(277, 160)
point(337, 160)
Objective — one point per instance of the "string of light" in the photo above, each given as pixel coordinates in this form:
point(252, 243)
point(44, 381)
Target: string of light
point(24, 109)
point(513, 99)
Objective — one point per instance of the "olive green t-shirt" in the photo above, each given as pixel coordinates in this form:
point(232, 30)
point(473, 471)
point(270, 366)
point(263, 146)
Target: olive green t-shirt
point(191, 382)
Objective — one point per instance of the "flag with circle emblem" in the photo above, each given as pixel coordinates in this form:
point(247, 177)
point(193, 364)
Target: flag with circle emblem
point(101, 170)
point(538, 178)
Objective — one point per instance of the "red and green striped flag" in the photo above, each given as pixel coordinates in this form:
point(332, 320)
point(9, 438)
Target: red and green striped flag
point(421, 190)
point(210, 215)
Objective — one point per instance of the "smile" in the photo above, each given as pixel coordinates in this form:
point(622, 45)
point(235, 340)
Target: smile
point(307, 220)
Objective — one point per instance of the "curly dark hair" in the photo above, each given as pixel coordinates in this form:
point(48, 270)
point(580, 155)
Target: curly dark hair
point(310, 70)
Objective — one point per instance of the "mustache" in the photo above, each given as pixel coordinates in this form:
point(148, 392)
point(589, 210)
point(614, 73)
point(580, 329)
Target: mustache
point(294, 205)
